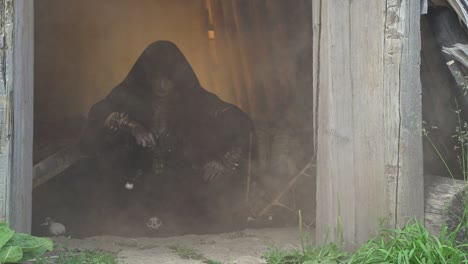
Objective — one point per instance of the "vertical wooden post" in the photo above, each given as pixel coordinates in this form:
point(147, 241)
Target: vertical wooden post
point(369, 117)
point(16, 112)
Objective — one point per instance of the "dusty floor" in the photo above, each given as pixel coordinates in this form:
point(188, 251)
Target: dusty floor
point(245, 247)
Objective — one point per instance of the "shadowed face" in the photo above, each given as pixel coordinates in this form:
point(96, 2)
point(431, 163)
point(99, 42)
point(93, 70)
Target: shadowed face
point(162, 87)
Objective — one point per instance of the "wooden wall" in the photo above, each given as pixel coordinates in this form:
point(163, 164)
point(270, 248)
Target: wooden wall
point(369, 117)
point(262, 57)
point(85, 48)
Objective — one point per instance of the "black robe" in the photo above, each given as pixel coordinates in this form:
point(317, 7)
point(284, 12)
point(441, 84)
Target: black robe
point(202, 128)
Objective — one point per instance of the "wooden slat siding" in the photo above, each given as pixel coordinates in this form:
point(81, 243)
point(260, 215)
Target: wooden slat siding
point(259, 37)
point(281, 47)
point(229, 63)
point(369, 116)
point(6, 42)
point(23, 75)
point(220, 42)
point(260, 41)
point(342, 119)
point(410, 181)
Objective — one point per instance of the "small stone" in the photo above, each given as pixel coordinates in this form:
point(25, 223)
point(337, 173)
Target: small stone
point(129, 186)
point(55, 229)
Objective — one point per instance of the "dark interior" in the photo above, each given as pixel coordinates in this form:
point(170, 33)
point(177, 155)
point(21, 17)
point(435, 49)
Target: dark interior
point(442, 97)
point(253, 55)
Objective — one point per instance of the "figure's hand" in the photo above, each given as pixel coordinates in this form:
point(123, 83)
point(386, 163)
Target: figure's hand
point(143, 137)
point(212, 170)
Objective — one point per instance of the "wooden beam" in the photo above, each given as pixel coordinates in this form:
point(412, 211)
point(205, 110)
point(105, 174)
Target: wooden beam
point(410, 181)
point(55, 164)
point(6, 55)
point(445, 200)
point(369, 139)
point(22, 140)
point(16, 110)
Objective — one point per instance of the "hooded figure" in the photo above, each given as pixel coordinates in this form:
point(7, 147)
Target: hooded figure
point(174, 145)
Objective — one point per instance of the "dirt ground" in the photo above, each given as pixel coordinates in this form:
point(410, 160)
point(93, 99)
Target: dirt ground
point(244, 247)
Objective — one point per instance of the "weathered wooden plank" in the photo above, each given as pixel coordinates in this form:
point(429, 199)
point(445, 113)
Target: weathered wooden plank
point(392, 62)
point(460, 7)
point(326, 220)
point(410, 190)
point(55, 164)
point(424, 6)
point(335, 186)
point(342, 122)
point(403, 162)
point(369, 110)
point(19, 212)
point(6, 31)
point(367, 46)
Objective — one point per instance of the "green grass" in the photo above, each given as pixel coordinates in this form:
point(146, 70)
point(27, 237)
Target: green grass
point(410, 245)
point(327, 254)
point(81, 257)
point(413, 244)
point(88, 257)
point(63, 255)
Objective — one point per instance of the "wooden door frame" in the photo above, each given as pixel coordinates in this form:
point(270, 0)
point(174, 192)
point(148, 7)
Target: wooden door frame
point(401, 79)
point(16, 112)
point(369, 134)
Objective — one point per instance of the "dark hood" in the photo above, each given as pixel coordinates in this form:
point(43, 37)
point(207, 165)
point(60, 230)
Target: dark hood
point(162, 59)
